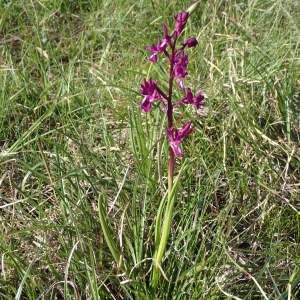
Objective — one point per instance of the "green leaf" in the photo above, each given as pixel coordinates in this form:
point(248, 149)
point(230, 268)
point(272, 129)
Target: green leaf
point(109, 239)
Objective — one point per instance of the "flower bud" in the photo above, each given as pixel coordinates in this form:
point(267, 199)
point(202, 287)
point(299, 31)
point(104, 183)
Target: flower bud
point(180, 21)
point(191, 42)
point(184, 16)
point(192, 8)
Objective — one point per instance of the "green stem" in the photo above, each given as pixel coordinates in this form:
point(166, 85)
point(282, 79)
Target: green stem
point(161, 240)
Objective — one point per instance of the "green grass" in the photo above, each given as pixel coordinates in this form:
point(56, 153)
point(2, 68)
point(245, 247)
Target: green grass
point(71, 129)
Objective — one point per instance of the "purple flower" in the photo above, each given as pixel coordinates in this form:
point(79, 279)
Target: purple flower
point(176, 137)
point(161, 47)
point(180, 21)
point(197, 100)
point(190, 43)
point(189, 99)
point(150, 92)
point(167, 38)
point(186, 130)
point(180, 69)
point(176, 55)
point(148, 88)
point(174, 142)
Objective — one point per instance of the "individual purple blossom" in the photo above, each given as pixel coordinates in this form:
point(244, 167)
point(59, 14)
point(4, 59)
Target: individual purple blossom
point(176, 137)
point(189, 99)
point(197, 100)
point(149, 87)
point(180, 69)
point(174, 142)
point(190, 43)
point(180, 21)
point(167, 38)
point(161, 47)
point(150, 92)
point(186, 130)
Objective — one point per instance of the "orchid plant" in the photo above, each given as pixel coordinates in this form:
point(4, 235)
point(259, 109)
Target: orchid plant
point(178, 61)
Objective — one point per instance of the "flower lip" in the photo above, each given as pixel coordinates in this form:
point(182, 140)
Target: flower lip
point(146, 103)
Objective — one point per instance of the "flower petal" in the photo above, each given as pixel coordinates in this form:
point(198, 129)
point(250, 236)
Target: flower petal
point(146, 104)
point(170, 133)
point(180, 84)
point(152, 48)
point(189, 96)
point(176, 149)
point(153, 58)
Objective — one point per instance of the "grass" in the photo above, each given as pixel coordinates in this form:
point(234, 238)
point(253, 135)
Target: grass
point(71, 130)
